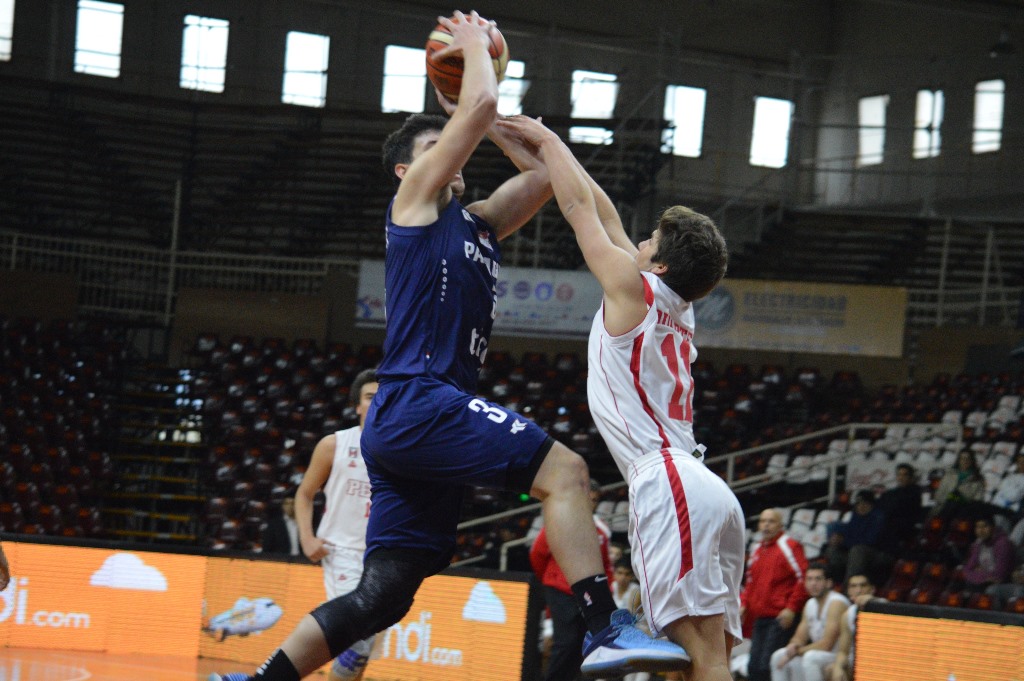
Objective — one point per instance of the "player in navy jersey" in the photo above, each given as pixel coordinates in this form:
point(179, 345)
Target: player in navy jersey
point(426, 436)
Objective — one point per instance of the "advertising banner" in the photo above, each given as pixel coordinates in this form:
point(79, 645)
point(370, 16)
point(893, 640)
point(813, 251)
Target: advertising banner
point(250, 606)
point(530, 302)
point(740, 313)
point(459, 628)
point(73, 598)
point(800, 317)
point(938, 647)
point(237, 609)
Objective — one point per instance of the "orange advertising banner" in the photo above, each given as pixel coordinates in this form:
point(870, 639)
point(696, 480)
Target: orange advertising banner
point(239, 610)
point(252, 605)
point(934, 649)
point(76, 598)
point(459, 628)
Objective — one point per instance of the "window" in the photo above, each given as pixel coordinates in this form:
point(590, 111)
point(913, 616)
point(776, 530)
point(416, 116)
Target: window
point(512, 90)
point(684, 108)
point(204, 53)
point(305, 69)
point(769, 142)
point(405, 79)
point(988, 116)
point(98, 38)
point(6, 28)
point(928, 123)
point(593, 96)
point(871, 130)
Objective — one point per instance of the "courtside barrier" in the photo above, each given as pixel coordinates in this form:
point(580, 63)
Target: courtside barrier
point(466, 624)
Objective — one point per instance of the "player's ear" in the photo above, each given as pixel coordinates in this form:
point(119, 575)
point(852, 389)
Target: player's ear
point(400, 170)
point(658, 268)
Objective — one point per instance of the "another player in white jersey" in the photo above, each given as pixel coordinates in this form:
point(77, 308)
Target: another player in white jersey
point(339, 543)
point(686, 527)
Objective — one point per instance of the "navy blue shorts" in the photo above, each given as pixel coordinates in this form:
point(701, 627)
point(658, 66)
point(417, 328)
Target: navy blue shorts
point(424, 441)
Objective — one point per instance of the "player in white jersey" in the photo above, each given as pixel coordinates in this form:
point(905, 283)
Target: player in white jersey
point(686, 527)
point(339, 543)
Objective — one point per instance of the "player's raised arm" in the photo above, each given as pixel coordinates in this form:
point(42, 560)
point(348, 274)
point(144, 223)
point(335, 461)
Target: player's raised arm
point(434, 166)
point(614, 267)
point(520, 197)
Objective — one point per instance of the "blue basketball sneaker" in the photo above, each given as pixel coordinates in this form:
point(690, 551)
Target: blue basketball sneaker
point(232, 676)
point(622, 648)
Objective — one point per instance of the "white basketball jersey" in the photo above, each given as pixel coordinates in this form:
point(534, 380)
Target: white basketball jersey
point(639, 384)
point(816, 617)
point(348, 494)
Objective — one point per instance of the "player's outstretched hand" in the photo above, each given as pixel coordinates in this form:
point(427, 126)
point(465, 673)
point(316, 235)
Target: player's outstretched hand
point(531, 130)
point(446, 104)
point(464, 30)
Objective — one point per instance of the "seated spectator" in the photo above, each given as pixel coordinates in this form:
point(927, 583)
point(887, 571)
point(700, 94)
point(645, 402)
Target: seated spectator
point(813, 645)
point(860, 590)
point(991, 557)
point(1014, 588)
point(1017, 534)
point(901, 507)
point(282, 532)
point(852, 545)
point(961, 486)
point(1011, 488)
point(625, 590)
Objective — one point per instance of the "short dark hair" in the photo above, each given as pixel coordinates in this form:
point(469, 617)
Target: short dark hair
point(624, 562)
point(398, 146)
point(906, 467)
point(865, 495)
point(693, 250)
point(819, 565)
point(867, 577)
point(362, 378)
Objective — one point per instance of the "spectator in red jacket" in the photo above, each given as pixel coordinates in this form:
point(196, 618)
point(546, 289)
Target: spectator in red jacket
point(773, 593)
point(567, 624)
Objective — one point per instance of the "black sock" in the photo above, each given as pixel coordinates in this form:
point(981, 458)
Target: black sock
point(595, 601)
point(277, 668)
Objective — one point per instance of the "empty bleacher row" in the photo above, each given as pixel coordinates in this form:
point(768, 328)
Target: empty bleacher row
point(57, 388)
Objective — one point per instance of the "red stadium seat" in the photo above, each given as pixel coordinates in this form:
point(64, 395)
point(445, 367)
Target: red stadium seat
point(1015, 605)
point(979, 601)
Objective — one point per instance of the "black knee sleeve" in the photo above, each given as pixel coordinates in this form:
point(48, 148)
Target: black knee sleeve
point(385, 593)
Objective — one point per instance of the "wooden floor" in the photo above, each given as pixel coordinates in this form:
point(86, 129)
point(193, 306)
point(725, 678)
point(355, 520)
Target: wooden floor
point(26, 664)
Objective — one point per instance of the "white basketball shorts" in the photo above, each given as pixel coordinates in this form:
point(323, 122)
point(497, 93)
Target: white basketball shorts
point(686, 533)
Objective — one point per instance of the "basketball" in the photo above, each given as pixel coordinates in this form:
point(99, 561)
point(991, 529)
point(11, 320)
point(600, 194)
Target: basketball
point(446, 74)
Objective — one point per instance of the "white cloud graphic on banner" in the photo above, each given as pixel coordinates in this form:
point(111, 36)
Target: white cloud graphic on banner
point(484, 605)
point(128, 571)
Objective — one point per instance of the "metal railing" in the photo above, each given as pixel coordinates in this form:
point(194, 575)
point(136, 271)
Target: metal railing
point(829, 462)
point(141, 283)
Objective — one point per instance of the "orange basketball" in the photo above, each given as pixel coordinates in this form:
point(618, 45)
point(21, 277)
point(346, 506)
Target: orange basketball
point(446, 74)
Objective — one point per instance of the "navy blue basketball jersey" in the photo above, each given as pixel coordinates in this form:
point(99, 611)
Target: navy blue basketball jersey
point(439, 298)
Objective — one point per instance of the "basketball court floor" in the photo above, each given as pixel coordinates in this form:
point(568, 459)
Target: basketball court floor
point(29, 664)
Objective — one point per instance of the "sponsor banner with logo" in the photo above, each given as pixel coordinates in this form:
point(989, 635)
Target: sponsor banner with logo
point(250, 606)
point(73, 598)
point(530, 302)
point(76, 598)
point(459, 628)
point(799, 317)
